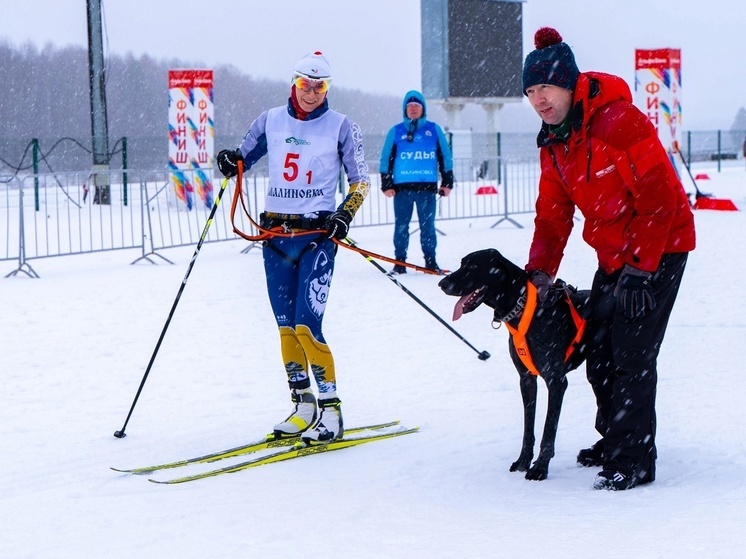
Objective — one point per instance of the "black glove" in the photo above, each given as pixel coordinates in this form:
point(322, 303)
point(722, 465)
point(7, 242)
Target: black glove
point(387, 181)
point(338, 224)
point(227, 161)
point(634, 292)
point(446, 179)
point(542, 282)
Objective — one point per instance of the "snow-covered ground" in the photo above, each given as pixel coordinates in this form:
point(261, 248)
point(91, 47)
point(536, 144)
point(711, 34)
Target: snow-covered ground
point(76, 342)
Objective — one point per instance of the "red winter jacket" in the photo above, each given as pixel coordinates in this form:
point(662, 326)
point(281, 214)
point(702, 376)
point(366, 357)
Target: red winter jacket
point(616, 172)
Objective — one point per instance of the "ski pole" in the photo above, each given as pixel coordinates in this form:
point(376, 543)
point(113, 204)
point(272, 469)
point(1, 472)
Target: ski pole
point(121, 434)
point(483, 355)
point(698, 193)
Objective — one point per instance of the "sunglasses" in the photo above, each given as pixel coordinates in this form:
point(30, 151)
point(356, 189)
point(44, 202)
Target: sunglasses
point(306, 85)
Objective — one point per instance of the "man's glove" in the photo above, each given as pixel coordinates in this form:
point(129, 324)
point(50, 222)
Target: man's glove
point(634, 292)
point(542, 282)
point(446, 182)
point(227, 161)
point(338, 224)
point(387, 182)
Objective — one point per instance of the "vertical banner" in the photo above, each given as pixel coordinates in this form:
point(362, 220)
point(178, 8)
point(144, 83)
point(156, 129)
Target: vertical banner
point(658, 92)
point(191, 134)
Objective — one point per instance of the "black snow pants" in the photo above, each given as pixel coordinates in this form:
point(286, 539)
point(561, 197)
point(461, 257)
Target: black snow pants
point(622, 368)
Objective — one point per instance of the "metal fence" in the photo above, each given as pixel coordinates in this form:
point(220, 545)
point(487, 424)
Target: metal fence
point(52, 213)
point(717, 145)
point(58, 214)
point(52, 155)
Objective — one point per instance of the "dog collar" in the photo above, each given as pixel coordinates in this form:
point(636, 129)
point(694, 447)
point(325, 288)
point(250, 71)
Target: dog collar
point(519, 306)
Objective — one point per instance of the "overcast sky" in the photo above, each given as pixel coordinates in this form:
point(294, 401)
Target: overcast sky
point(375, 45)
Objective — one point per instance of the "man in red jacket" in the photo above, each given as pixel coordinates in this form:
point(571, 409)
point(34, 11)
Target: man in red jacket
point(600, 154)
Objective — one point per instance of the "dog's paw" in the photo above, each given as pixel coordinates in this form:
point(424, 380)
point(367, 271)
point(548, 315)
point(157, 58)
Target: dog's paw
point(521, 465)
point(537, 474)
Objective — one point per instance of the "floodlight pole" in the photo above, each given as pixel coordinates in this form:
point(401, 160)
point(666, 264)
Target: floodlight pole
point(99, 124)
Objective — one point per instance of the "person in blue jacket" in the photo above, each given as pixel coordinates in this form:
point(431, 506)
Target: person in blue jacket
point(414, 152)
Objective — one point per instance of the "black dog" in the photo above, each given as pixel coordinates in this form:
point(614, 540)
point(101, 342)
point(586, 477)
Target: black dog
point(552, 334)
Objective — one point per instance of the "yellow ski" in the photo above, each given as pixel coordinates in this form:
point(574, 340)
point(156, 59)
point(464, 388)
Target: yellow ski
point(297, 451)
point(268, 442)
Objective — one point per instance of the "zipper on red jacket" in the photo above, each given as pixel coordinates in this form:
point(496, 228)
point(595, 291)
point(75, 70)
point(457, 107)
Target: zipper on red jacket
point(556, 165)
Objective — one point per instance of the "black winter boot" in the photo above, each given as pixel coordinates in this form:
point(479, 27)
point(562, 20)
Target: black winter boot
point(592, 457)
point(431, 264)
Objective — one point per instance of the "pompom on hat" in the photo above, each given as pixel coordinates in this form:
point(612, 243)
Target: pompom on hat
point(314, 65)
point(552, 62)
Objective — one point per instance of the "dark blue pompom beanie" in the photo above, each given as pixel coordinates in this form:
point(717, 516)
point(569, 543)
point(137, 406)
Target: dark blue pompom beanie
point(552, 62)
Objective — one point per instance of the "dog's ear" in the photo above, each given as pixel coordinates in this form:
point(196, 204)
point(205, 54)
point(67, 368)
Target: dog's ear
point(512, 273)
point(498, 261)
point(476, 256)
point(504, 262)
point(481, 256)
point(490, 255)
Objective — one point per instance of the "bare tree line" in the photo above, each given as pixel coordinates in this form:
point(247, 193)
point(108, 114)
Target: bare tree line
point(46, 97)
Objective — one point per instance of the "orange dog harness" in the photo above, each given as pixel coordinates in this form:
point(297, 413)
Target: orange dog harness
point(519, 334)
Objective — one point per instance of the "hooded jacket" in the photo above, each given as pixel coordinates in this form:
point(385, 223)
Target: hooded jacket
point(413, 153)
point(614, 169)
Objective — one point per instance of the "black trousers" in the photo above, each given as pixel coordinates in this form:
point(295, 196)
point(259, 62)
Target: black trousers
point(622, 367)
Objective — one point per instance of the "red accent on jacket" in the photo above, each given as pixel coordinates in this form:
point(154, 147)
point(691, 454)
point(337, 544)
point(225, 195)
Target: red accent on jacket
point(615, 170)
